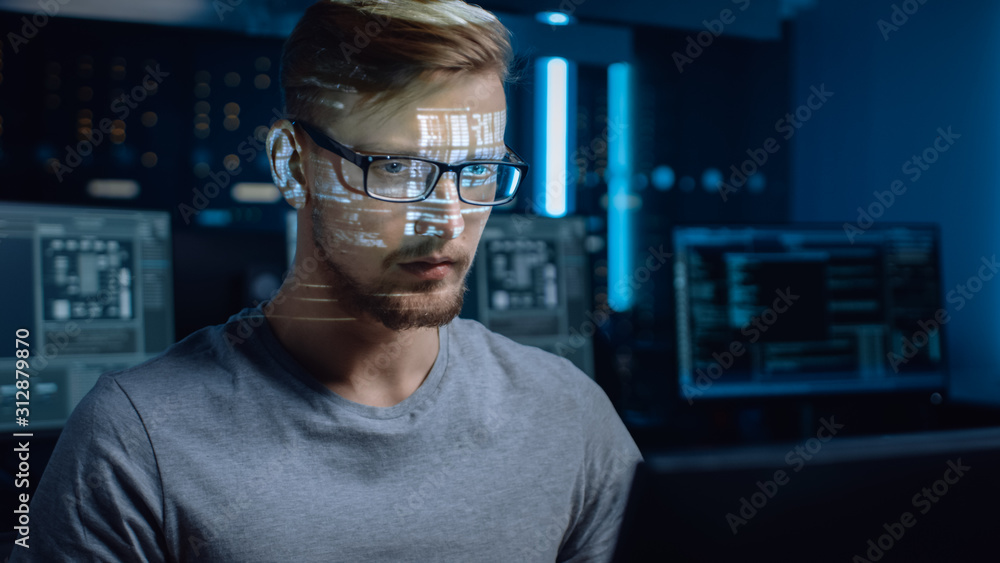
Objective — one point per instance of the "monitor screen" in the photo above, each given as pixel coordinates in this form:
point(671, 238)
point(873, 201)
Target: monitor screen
point(85, 291)
point(778, 310)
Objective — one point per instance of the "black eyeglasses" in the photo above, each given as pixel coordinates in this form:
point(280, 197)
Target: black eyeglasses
point(407, 179)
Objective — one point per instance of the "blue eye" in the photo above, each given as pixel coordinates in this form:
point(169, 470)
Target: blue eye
point(391, 167)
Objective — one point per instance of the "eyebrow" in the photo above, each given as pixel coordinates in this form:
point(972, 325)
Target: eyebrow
point(385, 149)
point(391, 150)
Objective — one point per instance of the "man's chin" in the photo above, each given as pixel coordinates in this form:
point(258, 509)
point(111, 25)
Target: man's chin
point(400, 303)
point(421, 317)
point(427, 305)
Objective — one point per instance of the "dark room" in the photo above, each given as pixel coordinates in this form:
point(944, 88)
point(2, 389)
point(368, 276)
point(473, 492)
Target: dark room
point(682, 280)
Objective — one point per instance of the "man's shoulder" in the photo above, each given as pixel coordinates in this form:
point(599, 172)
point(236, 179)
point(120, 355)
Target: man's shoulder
point(201, 373)
point(193, 360)
point(544, 388)
point(469, 333)
point(523, 366)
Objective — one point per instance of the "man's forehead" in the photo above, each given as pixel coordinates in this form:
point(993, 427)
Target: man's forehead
point(455, 129)
point(435, 132)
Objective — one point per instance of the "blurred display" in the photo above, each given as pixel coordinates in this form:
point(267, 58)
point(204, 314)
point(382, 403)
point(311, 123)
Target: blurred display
point(532, 284)
point(802, 310)
point(94, 290)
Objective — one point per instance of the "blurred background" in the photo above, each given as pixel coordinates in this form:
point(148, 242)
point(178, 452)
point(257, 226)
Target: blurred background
point(742, 216)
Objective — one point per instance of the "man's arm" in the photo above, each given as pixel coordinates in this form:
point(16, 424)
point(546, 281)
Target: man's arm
point(100, 497)
point(611, 458)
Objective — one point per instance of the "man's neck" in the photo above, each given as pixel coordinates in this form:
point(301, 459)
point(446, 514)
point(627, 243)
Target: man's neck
point(359, 359)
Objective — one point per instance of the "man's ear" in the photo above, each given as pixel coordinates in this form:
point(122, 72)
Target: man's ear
point(285, 155)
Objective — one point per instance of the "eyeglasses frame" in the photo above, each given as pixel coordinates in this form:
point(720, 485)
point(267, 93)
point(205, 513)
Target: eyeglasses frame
point(364, 161)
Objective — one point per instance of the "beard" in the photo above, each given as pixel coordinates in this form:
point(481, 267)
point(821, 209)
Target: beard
point(425, 304)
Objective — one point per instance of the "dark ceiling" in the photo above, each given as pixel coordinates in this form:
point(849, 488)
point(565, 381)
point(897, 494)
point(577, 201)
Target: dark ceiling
point(758, 19)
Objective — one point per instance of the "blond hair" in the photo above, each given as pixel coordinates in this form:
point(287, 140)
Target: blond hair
point(386, 51)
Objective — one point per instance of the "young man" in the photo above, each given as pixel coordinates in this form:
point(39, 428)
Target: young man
point(352, 417)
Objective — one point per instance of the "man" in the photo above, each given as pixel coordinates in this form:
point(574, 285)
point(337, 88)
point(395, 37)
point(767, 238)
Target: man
point(352, 417)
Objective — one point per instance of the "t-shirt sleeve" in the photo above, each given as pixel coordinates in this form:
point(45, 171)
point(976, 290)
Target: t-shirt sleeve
point(609, 467)
point(100, 497)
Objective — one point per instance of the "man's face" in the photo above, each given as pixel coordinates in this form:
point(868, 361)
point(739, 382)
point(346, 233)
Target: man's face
point(384, 259)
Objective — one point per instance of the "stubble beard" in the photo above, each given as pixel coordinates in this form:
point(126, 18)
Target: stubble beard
point(425, 304)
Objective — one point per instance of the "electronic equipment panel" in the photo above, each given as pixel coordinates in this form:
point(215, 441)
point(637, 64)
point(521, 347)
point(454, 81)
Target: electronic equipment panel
point(532, 284)
point(93, 291)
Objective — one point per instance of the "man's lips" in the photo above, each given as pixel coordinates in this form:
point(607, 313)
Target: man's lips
point(427, 270)
point(431, 260)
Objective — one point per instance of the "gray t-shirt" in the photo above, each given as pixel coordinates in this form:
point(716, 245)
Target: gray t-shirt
point(224, 449)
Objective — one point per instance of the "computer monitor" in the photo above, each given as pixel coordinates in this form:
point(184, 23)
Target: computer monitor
point(923, 497)
point(531, 283)
point(797, 309)
point(87, 291)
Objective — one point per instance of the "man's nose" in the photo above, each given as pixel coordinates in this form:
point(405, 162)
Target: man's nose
point(440, 214)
